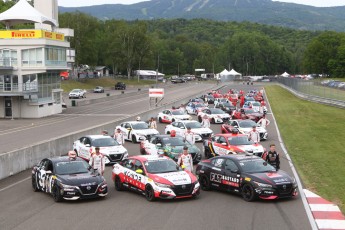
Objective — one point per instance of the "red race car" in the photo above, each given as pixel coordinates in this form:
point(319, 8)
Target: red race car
point(247, 114)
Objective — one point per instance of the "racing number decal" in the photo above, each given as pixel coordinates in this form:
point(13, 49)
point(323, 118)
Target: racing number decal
point(215, 177)
point(226, 180)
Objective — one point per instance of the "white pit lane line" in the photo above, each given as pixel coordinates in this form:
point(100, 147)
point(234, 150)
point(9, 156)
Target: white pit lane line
point(14, 184)
point(298, 180)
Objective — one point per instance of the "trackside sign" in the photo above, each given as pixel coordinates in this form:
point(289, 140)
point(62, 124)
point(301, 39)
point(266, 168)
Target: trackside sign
point(156, 92)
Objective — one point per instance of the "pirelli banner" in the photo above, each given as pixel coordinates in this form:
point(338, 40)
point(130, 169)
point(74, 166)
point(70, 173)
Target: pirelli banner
point(24, 34)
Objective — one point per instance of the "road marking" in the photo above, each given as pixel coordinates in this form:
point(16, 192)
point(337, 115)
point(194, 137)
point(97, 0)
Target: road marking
point(14, 184)
point(298, 180)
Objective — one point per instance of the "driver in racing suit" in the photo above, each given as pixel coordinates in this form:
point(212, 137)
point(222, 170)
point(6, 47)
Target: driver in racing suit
point(186, 160)
point(97, 161)
point(272, 157)
point(189, 136)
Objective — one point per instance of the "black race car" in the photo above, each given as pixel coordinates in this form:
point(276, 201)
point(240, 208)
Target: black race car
point(69, 178)
point(227, 107)
point(250, 176)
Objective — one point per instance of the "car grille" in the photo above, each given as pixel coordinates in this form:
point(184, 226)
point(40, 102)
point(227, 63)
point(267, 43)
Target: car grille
point(226, 118)
point(115, 157)
point(205, 135)
point(285, 189)
point(89, 189)
point(262, 135)
point(183, 190)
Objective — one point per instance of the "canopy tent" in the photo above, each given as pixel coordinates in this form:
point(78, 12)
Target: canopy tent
point(229, 75)
point(23, 12)
point(285, 74)
point(234, 73)
point(148, 74)
point(225, 72)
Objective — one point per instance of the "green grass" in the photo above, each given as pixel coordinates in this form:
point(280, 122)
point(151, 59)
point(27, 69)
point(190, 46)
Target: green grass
point(105, 82)
point(314, 135)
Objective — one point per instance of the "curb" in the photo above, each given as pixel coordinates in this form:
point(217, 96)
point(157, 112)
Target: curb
point(326, 214)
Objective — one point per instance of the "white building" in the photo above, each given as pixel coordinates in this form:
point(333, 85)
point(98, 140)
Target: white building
point(31, 61)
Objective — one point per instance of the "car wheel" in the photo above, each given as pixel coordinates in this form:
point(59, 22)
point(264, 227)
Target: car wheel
point(160, 120)
point(118, 184)
point(205, 183)
point(248, 192)
point(134, 139)
point(213, 121)
point(34, 184)
point(199, 119)
point(149, 193)
point(56, 194)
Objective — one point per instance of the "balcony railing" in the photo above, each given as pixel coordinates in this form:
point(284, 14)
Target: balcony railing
point(8, 62)
point(9, 88)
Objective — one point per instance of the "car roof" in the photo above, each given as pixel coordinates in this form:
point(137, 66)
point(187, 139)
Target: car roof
point(148, 157)
point(97, 136)
point(238, 157)
point(226, 135)
point(134, 122)
point(63, 159)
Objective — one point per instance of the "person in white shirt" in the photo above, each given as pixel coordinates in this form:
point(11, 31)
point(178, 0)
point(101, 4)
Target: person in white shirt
point(264, 122)
point(189, 136)
point(119, 137)
point(152, 123)
point(205, 122)
point(254, 135)
point(97, 161)
point(186, 160)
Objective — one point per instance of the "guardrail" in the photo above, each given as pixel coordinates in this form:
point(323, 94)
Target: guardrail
point(22, 159)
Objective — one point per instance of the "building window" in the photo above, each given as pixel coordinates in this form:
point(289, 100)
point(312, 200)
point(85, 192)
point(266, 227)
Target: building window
point(32, 57)
point(8, 57)
point(55, 56)
point(47, 82)
point(30, 82)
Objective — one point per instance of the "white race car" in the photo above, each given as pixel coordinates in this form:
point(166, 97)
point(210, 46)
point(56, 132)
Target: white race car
point(216, 116)
point(252, 105)
point(155, 177)
point(194, 108)
point(217, 101)
point(180, 128)
point(113, 151)
point(136, 131)
point(171, 115)
point(245, 126)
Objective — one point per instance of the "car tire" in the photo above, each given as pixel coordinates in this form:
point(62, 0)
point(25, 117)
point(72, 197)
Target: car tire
point(134, 139)
point(168, 132)
point(205, 183)
point(118, 184)
point(34, 184)
point(160, 120)
point(247, 192)
point(149, 193)
point(56, 194)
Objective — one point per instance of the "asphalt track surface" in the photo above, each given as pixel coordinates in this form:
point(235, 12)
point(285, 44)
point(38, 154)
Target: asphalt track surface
point(21, 208)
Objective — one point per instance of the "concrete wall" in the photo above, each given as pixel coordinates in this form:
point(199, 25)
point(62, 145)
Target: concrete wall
point(19, 160)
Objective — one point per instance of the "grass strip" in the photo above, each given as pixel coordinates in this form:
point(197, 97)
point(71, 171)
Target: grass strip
point(314, 135)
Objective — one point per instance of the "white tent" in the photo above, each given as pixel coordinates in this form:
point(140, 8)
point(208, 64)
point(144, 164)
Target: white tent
point(229, 75)
point(285, 74)
point(234, 73)
point(23, 12)
point(225, 72)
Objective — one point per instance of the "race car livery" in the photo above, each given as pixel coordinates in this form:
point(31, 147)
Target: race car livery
point(180, 128)
point(216, 116)
point(231, 143)
point(136, 131)
point(68, 178)
point(247, 113)
point(172, 147)
point(171, 115)
point(194, 108)
point(250, 176)
point(155, 177)
point(217, 101)
point(244, 127)
point(109, 148)
point(252, 105)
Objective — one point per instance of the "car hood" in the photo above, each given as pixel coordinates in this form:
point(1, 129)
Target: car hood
point(146, 131)
point(273, 178)
point(172, 178)
point(179, 149)
point(181, 116)
point(201, 130)
point(81, 179)
point(250, 148)
point(259, 129)
point(112, 150)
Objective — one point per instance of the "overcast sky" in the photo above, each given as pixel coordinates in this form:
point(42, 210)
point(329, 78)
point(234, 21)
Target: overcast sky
point(73, 3)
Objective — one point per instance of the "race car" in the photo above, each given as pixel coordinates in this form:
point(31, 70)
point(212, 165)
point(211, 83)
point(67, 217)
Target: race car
point(249, 98)
point(194, 108)
point(216, 116)
point(209, 98)
point(249, 176)
point(172, 147)
point(112, 150)
point(231, 143)
point(218, 101)
point(244, 127)
point(252, 105)
point(68, 178)
point(247, 114)
point(171, 115)
point(227, 107)
point(181, 127)
point(155, 177)
point(136, 131)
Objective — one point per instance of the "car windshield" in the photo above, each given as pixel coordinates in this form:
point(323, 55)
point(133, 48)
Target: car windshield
point(217, 111)
point(255, 165)
point(250, 99)
point(174, 141)
point(104, 142)
point(227, 104)
point(247, 124)
point(163, 165)
point(255, 104)
point(210, 97)
point(75, 91)
point(249, 111)
point(141, 125)
point(193, 125)
point(98, 87)
point(71, 167)
point(199, 105)
point(241, 140)
point(177, 112)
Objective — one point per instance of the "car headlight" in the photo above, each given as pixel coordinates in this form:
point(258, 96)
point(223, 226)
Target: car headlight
point(262, 185)
point(67, 187)
point(163, 185)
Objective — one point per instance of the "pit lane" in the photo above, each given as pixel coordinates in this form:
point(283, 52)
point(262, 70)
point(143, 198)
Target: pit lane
point(24, 209)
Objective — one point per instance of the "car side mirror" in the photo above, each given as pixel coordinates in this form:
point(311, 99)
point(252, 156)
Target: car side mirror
point(87, 145)
point(48, 172)
point(139, 171)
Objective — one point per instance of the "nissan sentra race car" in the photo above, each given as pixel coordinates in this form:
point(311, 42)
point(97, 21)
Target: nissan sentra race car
point(250, 176)
point(216, 116)
point(244, 126)
point(69, 178)
point(180, 128)
point(194, 108)
point(171, 115)
point(155, 177)
point(136, 131)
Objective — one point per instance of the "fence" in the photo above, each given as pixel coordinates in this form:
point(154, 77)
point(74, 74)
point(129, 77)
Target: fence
point(312, 90)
